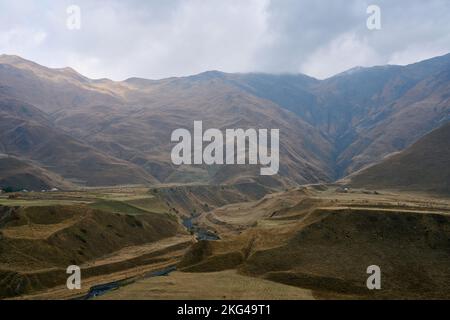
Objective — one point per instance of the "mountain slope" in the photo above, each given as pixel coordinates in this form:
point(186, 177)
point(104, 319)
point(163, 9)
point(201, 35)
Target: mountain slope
point(29, 134)
point(424, 166)
point(329, 128)
point(367, 113)
point(19, 174)
point(397, 124)
point(142, 135)
point(39, 242)
point(52, 89)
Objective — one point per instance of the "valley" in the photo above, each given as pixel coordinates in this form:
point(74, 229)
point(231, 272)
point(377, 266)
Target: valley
point(310, 242)
point(87, 179)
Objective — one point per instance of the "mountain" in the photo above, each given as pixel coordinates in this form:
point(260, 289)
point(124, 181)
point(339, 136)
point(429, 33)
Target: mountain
point(409, 106)
point(18, 174)
point(51, 89)
point(367, 113)
point(119, 132)
point(141, 135)
point(29, 134)
point(136, 126)
point(425, 166)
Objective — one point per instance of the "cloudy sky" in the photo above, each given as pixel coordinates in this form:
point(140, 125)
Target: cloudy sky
point(156, 39)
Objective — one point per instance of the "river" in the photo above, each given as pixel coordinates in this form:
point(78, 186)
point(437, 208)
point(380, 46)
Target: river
point(201, 234)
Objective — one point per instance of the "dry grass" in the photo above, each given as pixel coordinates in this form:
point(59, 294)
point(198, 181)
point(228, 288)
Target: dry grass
point(325, 240)
point(39, 241)
point(212, 286)
point(313, 241)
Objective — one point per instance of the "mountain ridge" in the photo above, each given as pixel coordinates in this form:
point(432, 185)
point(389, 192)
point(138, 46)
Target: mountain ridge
point(430, 61)
point(330, 128)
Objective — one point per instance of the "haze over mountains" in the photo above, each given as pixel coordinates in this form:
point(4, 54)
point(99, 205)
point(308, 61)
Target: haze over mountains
point(80, 131)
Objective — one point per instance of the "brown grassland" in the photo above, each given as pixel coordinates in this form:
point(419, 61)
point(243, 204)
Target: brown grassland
point(312, 242)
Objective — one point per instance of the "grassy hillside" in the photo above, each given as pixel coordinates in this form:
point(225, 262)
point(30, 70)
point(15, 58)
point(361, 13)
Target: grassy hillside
point(102, 132)
point(39, 242)
point(29, 135)
point(19, 174)
point(324, 241)
point(424, 166)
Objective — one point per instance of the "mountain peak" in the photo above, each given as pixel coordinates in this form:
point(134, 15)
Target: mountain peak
point(211, 74)
point(352, 71)
point(21, 63)
point(13, 59)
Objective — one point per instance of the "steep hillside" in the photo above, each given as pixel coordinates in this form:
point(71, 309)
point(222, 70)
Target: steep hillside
point(192, 200)
point(142, 135)
point(39, 242)
point(29, 134)
point(425, 166)
point(328, 128)
point(52, 89)
point(18, 175)
point(424, 107)
point(367, 113)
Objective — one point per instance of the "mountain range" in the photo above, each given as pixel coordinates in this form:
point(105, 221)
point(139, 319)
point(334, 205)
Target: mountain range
point(62, 129)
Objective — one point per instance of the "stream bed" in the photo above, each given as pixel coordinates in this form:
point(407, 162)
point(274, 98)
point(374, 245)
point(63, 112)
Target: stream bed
point(200, 233)
point(101, 289)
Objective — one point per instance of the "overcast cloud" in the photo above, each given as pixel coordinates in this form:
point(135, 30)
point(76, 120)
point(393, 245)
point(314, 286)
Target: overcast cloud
point(157, 39)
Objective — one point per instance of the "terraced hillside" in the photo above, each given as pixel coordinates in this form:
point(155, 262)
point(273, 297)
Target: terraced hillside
point(323, 239)
point(104, 236)
point(312, 242)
